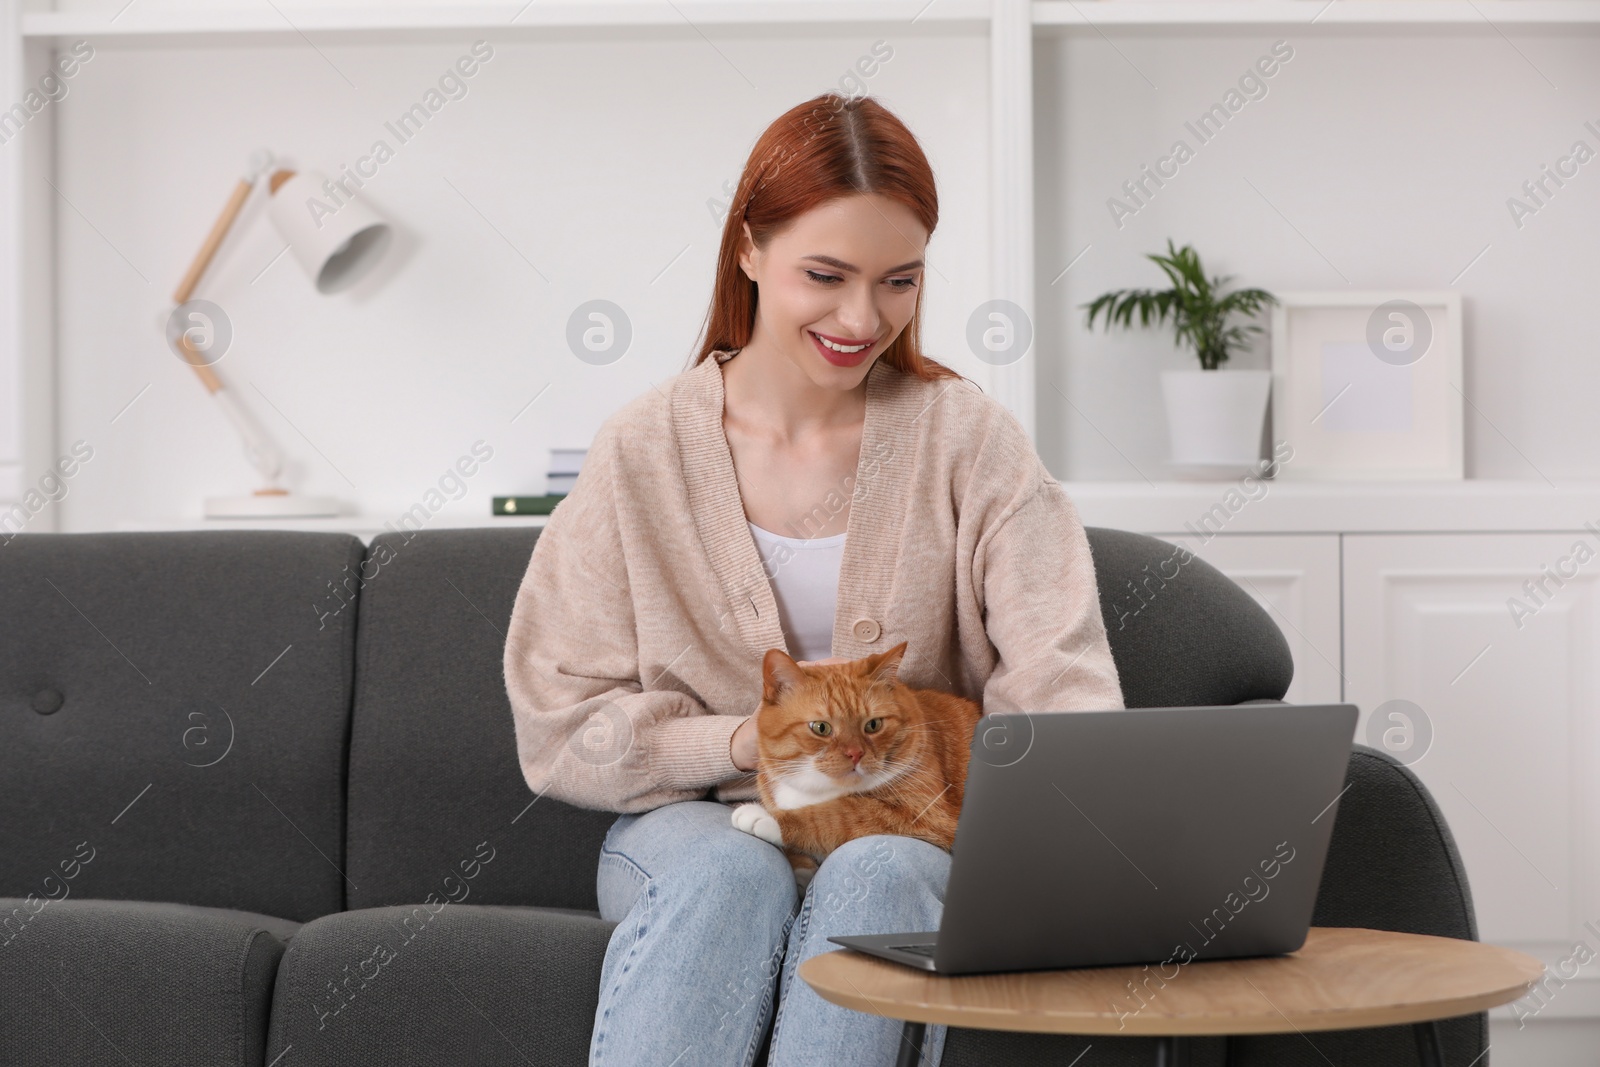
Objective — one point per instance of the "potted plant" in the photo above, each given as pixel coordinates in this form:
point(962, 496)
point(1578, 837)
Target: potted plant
point(1214, 418)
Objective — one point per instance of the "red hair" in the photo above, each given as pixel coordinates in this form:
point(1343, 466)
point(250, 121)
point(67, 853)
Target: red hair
point(828, 147)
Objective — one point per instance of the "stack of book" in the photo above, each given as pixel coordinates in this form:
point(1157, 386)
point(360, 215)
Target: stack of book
point(565, 463)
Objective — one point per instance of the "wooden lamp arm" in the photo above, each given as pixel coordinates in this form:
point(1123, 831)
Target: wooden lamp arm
point(202, 259)
point(208, 251)
point(258, 447)
point(208, 377)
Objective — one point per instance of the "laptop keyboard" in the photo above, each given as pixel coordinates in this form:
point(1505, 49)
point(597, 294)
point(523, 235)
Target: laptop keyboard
point(918, 950)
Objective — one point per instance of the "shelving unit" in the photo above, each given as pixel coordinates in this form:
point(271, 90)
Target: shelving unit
point(28, 35)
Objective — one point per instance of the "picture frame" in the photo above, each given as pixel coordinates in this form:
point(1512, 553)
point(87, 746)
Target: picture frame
point(1367, 385)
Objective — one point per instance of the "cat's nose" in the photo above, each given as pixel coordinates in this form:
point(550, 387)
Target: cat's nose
point(854, 754)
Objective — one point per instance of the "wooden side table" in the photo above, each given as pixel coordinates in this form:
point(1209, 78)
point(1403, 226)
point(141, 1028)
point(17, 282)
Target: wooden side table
point(1340, 979)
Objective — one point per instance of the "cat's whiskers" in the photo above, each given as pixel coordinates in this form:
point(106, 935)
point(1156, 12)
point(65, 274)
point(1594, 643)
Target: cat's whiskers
point(897, 788)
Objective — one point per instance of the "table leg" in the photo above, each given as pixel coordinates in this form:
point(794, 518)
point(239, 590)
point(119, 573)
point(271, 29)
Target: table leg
point(911, 1036)
point(1429, 1047)
point(1172, 1052)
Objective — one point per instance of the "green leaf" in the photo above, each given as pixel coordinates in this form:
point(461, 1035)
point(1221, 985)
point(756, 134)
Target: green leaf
point(1199, 313)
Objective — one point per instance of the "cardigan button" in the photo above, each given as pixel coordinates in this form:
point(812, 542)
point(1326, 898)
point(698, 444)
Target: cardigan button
point(866, 630)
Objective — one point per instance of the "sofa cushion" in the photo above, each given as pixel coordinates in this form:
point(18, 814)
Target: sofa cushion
point(454, 983)
point(179, 702)
point(434, 778)
point(1181, 631)
point(115, 982)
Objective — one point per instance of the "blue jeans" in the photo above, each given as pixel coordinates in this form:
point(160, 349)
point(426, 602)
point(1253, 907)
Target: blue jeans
point(711, 927)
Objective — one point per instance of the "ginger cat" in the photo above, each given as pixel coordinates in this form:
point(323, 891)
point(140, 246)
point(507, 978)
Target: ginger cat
point(846, 750)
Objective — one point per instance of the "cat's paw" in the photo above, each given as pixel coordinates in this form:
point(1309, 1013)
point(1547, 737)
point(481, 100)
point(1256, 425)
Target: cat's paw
point(753, 819)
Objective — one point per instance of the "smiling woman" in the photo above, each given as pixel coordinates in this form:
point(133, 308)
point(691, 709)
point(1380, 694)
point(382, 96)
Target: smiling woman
point(633, 659)
point(880, 198)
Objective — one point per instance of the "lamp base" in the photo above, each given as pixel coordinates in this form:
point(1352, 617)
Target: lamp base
point(270, 506)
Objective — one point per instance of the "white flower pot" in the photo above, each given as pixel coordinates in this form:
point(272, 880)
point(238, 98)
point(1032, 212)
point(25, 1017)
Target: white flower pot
point(1215, 417)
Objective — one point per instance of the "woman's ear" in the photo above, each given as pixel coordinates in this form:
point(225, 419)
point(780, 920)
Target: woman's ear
point(747, 252)
point(885, 666)
point(779, 674)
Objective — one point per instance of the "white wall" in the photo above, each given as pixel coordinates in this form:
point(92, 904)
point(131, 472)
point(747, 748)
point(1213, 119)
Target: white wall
point(593, 156)
point(1391, 154)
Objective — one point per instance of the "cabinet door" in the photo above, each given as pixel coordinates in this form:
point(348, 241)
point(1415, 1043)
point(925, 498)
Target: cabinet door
point(1504, 675)
point(1295, 577)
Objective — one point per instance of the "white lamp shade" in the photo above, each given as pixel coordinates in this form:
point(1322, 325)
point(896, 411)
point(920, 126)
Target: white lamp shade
point(336, 237)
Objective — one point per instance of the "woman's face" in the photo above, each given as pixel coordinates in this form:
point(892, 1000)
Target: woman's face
point(845, 272)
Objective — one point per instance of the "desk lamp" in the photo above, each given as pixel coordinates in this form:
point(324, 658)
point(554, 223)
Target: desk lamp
point(337, 239)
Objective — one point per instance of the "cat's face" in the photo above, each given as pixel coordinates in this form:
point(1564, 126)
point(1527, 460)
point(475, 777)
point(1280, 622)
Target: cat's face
point(834, 727)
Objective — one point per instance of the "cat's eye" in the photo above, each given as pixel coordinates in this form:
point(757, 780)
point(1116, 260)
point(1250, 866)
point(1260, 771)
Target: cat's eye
point(821, 729)
point(873, 726)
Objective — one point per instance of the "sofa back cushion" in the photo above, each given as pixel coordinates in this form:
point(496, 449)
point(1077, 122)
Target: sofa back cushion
point(1181, 631)
point(438, 803)
point(173, 715)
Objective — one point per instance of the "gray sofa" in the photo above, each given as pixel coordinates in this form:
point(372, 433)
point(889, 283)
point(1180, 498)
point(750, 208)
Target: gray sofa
point(260, 804)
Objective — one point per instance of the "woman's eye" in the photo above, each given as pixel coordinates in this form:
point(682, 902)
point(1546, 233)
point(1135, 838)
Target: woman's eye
point(898, 284)
point(821, 729)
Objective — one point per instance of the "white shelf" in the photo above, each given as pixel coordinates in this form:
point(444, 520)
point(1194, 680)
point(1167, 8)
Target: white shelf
point(362, 526)
point(291, 23)
point(1089, 15)
point(1468, 506)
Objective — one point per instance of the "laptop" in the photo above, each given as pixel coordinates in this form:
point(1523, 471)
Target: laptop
point(1157, 835)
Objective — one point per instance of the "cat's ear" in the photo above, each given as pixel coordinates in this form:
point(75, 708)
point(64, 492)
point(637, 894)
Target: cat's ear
point(885, 666)
point(779, 674)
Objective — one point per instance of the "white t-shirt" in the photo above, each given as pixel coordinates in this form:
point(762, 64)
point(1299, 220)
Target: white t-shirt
point(805, 581)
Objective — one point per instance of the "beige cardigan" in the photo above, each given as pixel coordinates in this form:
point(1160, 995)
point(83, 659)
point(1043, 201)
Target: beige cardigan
point(635, 644)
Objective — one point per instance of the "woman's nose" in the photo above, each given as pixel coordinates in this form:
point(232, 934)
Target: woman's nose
point(859, 315)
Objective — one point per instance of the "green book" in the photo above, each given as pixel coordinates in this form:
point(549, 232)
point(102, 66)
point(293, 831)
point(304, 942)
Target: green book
point(526, 505)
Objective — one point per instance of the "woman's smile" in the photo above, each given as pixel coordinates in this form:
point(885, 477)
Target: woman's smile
point(841, 352)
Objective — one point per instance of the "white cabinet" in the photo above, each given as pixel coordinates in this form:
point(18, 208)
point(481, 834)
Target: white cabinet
point(1295, 577)
point(1511, 697)
point(1479, 603)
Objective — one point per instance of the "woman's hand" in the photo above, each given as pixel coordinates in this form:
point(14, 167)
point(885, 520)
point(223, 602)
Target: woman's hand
point(743, 747)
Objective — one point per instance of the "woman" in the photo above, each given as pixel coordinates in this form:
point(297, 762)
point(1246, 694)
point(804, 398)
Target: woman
point(813, 483)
